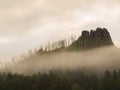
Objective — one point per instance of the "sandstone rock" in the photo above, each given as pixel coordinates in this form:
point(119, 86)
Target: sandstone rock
point(95, 38)
point(85, 34)
point(92, 34)
point(98, 34)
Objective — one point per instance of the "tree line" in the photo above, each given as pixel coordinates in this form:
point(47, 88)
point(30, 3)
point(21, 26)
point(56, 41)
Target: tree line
point(48, 48)
point(58, 80)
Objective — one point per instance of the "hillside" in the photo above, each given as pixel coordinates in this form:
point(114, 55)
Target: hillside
point(88, 40)
point(60, 68)
point(98, 44)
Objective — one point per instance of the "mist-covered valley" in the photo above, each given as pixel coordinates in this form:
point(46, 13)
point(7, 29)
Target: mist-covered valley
point(105, 58)
point(92, 51)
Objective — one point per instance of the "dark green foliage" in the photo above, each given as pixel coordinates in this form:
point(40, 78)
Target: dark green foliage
point(70, 80)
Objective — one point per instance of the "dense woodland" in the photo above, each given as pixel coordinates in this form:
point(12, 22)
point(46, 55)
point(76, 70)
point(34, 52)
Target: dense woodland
point(59, 80)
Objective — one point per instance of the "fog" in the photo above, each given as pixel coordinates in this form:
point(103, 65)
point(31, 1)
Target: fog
point(26, 24)
point(106, 58)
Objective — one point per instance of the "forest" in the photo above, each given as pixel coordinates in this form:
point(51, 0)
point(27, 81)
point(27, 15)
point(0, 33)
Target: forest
point(62, 80)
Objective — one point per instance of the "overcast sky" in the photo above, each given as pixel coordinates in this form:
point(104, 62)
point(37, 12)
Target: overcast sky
point(26, 24)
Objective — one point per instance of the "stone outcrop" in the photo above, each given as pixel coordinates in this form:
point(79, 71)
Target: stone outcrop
point(100, 34)
point(85, 34)
point(95, 38)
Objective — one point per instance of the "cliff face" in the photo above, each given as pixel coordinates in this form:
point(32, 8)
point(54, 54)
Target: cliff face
point(95, 38)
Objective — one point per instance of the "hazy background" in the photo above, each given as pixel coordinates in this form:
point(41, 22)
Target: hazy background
point(26, 24)
point(98, 60)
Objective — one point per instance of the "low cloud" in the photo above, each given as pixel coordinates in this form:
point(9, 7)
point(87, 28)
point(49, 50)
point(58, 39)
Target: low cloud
point(101, 59)
point(49, 20)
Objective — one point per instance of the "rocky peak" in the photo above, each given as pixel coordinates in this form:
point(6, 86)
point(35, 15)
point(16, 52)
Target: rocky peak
point(95, 38)
point(85, 34)
point(100, 34)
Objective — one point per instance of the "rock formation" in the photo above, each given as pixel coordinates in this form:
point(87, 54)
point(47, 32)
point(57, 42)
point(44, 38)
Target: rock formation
point(95, 38)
